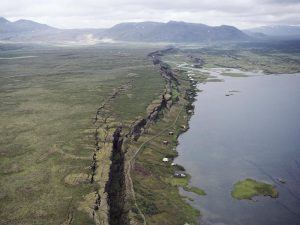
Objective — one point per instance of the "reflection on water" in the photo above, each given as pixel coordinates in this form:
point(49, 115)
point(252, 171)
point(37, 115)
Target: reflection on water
point(253, 132)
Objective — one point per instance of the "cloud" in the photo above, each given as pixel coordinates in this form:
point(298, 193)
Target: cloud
point(105, 13)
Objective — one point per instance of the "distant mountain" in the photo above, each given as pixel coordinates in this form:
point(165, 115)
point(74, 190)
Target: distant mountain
point(173, 32)
point(30, 31)
point(279, 30)
point(3, 20)
point(21, 29)
point(21, 26)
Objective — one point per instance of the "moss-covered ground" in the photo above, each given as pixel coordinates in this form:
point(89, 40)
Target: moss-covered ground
point(48, 104)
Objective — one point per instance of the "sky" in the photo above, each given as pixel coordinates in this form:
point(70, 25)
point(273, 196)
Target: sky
point(106, 13)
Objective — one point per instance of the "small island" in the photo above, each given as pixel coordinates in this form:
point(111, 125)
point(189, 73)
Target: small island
point(248, 188)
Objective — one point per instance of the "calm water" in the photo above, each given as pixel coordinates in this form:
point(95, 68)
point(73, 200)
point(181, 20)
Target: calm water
point(254, 133)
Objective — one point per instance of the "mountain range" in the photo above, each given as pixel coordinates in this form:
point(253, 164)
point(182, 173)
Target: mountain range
point(173, 31)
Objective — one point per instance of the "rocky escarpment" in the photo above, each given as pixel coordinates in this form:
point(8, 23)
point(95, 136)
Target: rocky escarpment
point(166, 101)
point(117, 186)
point(165, 69)
point(157, 142)
point(96, 203)
point(142, 124)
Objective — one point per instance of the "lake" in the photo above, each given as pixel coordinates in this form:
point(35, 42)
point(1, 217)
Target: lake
point(253, 133)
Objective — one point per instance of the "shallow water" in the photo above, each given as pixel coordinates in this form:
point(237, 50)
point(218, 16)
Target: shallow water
point(253, 133)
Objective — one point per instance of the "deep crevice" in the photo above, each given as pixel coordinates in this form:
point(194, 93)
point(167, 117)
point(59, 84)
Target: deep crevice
point(115, 186)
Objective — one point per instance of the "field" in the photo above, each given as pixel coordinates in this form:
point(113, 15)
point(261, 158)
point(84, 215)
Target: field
point(48, 104)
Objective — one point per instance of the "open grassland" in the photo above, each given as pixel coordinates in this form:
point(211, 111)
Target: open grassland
point(48, 104)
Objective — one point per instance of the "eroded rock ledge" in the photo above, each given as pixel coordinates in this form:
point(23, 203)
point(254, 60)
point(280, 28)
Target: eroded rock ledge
point(118, 190)
point(116, 187)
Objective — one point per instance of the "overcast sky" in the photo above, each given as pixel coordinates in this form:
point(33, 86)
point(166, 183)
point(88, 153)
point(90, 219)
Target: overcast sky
point(105, 13)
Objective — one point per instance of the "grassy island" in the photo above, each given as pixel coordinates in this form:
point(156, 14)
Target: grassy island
point(248, 188)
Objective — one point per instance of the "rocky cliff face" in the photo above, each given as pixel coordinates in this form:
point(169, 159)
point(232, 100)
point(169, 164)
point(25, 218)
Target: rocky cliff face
point(165, 101)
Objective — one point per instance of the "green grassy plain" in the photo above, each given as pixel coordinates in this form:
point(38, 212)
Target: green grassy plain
point(48, 103)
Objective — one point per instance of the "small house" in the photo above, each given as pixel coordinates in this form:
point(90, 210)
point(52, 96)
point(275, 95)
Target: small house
point(165, 160)
point(165, 142)
point(171, 133)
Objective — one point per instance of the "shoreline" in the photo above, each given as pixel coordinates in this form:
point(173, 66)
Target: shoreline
point(181, 111)
point(208, 205)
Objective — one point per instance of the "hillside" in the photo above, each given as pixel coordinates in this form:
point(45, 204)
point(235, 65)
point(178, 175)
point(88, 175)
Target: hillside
point(178, 32)
point(174, 31)
point(30, 31)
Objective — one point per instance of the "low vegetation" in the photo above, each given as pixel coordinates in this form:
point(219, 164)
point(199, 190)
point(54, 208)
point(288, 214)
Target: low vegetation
point(273, 60)
point(48, 107)
point(155, 183)
point(249, 188)
point(57, 139)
